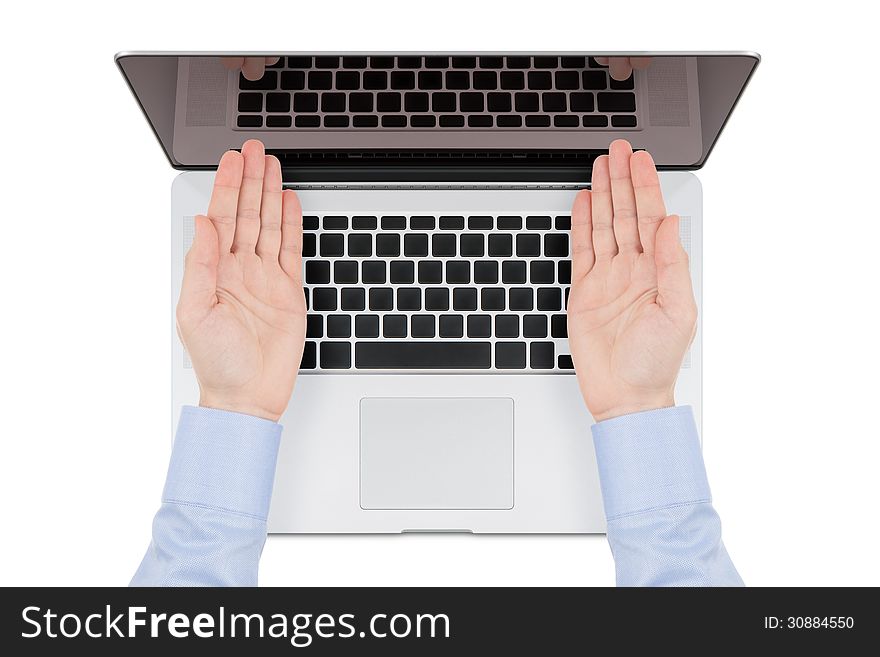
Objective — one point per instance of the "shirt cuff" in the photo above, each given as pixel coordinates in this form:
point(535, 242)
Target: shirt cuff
point(223, 460)
point(650, 460)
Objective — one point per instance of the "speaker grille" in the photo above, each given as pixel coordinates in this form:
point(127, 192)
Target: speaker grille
point(206, 92)
point(668, 92)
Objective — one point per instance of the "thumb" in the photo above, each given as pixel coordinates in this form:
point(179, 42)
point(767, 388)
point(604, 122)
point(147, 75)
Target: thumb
point(198, 293)
point(676, 294)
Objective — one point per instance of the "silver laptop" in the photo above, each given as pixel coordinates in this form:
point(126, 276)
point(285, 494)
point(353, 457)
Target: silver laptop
point(436, 392)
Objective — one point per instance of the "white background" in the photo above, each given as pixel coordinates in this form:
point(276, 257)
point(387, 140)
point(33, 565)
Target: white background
point(792, 230)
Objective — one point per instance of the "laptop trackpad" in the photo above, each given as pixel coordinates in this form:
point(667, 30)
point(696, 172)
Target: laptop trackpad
point(436, 453)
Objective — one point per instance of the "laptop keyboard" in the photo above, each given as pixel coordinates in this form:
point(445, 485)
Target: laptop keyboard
point(436, 93)
point(426, 292)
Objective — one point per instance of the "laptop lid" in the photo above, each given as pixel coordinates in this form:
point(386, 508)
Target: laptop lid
point(480, 116)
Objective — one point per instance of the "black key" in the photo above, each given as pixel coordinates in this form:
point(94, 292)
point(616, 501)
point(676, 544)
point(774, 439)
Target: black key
point(375, 80)
point(339, 326)
point(565, 362)
point(394, 223)
point(250, 102)
point(422, 326)
point(458, 271)
point(549, 298)
point(268, 82)
point(436, 62)
point(470, 101)
point(382, 62)
point(498, 101)
point(420, 222)
point(252, 121)
point(332, 244)
point(353, 298)
point(335, 121)
point(366, 326)
point(623, 121)
point(486, 272)
point(492, 298)
point(574, 62)
point(479, 121)
point(567, 290)
point(485, 80)
point(393, 121)
point(595, 121)
point(513, 80)
point(373, 272)
point(563, 222)
point(526, 102)
point(409, 62)
point(597, 80)
point(299, 62)
point(537, 121)
point(546, 62)
point(491, 62)
point(451, 121)
point(500, 245)
point(519, 62)
point(388, 101)
point(528, 246)
point(558, 326)
point(363, 223)
point(508, 121)
point(354, 62)
point(451, 223)
point(402, 271)
point(336, 355)
point(307, 122)
point(310, 245)
point(556, 245)
point(423, 355)
point(305, 102)
point(422, 121)
point(581, 102)
point(387, 245)
point(464, 62)
point(280, 121)
point(430, 79)
point(507, 326)
point(310, 357)
point(534, 326)
point(472, 246)
point(480, 222)
point(345, 271)
point(430, 271)
point(521, 298)
point(540, 80)
point(326, 62)
point(306, 295)
point(310, 222)
point(293, 80)
point(542, 356)
point(451, 326)
point(443, 246)
point(541, 271)
point(381, 298)
point(513, 271)
point(479, 326)
point(565, 272)
point(333, 102)
point(314, 326)
point(510, 223)
point(416, 101)
point(553, 101)
point(443, 101)
point(620, 101)
point(564, 121)
point(436, 298)
point(394, 326)
point(335, 222)
point(317, 272)
point(415, 245)
point(348, 80)
point(365, 121)
point(409, 298)
point(567, 80)
point(403, 80)
point(458, 80)
point(324, 298)
point(320, 80)
point(629, 83)
point(464, 298)
point(510, 355)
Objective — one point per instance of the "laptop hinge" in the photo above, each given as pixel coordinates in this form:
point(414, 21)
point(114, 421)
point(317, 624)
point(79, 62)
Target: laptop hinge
point(461, 186)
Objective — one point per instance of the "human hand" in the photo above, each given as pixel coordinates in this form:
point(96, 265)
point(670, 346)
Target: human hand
point(631, 310)
point(242, 312)
point(252, 68)
point(620, 68)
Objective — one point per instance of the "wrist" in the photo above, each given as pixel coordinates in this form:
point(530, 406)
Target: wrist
point(628, 407)
point(235, 405)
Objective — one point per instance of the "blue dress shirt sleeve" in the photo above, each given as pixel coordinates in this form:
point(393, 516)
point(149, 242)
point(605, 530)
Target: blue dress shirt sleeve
point(211, 527)
point(662, 528)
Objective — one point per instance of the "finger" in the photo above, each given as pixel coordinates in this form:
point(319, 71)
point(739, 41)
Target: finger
point(639, 63)
point(626, 229)
point(676, 293)
point(232, 63)
point(582, 256)
point(224, 198)
point(247, 218)
point(198, 293)
point(271, 61)
point(253, 67)
point(601, 61)
point(602, 211)
point(269, 241)
point(649, 198)
point(619, 68)
point(290, 256)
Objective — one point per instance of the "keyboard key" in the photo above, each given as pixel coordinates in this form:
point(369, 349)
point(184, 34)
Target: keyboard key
point(278, 121)
point(546, 62)
point(250, 102)
point(306, 295)
point(542, 271)
point(339, 326)
point(629, 83)
point(388, 101)
point(336, 355)
point(269, 81)
point(320, 80)
point(387, 245)
point(479, 121)
point(310, 245)
point(553, 101)
point(430, 80)
point(563, 223)
point(381, 298)
point(574, 62)
point(363, 223)
point(537, 121)
point(348, 80)
point(541, 355)
point(326, 62)
point(436, 298)
point(443, 101)
point(373, 272)
point(451, 326)
point(335, 121)
point(485, 80)
point(309, 359)
point(415, 101)
point(526, 102)
point(393, 121)
point(394, 326)
point(500, 245)
point(519, 62)
point(564, 275)
point(538, 223)
point(402, 271)
point(415, 245)
point(409, 298)
point(534, 326)
point(567, 80)
point(409, 62)
point(305, 102)
point(423, 355)
point(443, 246)
point(333, 222)
point(458, 80)
point(597, 121)
point(430, 271)
point(299, 62)
point(616, 101)
point(528, 246)
point(458, 271)
point(479, 326)
point(623, 121)
point(513, 80)
point(565, 362)
point(332, 244)
point(422, 121)
point(559, 326)
point(419, 222)
point(521, 298)
point(549, 299)
point(485, 272)
point(513, 271)
point(566, 121)
point(375, 80)
point(492, 298)
point(480, 223)
point(451, 223)
point(394, 223)
point(245, 121)
point(422, 326)
point(317, 272)
point(597, 80)
point(382, 62)
point(470, 101)
point(508, 121)
point(403, 80)
point(510, 223)
point(314, 326)
point(345, 271)
point(464, 298)
point(540, 80)
point(491, 62)
point(365, 121)
point(293, 80)
point(324, 298)
point(472, 246)
point(567, 290)
point(436, 62)
point(507, 326)
point(498, 101)
point(354, 62)
point(451, 121)
point(464, 62)
point(556, 245)
point(353, 298)
point(510, 355)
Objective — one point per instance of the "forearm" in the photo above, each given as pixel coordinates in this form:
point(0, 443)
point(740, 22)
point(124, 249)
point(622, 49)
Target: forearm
point(662, 528)
point(211, 527)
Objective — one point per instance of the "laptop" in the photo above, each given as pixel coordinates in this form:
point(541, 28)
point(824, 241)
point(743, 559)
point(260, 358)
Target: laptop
point(437, 391)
